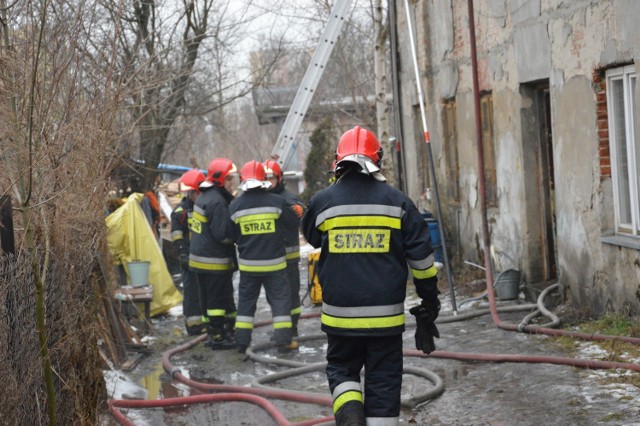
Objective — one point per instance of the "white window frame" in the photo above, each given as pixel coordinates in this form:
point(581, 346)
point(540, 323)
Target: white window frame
point(627, 75)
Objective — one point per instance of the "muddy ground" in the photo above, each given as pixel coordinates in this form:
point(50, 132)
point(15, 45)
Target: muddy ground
point(476, 393)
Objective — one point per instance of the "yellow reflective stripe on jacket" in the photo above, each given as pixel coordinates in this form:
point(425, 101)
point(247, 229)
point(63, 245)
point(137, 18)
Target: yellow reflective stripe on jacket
point(297, 310)
point(293, 255)
point(262, 268)
point(425, 263)
point(254, 217)
point(372, 322)
point(199, 217)
point(422, 274)
point(360, 210)
point(362, 220)
point(267, 265)
point(176, 235)
point(363, 311)
point(215, 312)
point(211, 263)
point(257, 213)
point(346, 397)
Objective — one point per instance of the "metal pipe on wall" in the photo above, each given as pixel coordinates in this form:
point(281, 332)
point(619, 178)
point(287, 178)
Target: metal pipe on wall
point(486, 243)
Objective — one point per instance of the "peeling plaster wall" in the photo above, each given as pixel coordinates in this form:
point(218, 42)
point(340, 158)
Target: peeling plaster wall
point(520, 42)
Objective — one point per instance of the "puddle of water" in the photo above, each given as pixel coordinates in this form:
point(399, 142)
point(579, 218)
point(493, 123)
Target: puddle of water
point(160, 385)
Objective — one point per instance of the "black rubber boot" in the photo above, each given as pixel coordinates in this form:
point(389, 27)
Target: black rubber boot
point(196, 329)
point(220, 342)
point(351, 414)
point(230, 328)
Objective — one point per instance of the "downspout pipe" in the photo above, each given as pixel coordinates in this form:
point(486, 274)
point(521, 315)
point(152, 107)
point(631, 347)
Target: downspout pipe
point(486, 243)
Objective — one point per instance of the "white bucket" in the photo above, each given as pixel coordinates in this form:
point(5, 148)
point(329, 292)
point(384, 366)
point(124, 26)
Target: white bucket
point(139, 273)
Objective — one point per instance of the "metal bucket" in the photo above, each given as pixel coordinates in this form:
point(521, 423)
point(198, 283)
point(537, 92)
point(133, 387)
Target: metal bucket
point(138, 273)
point(507, 284)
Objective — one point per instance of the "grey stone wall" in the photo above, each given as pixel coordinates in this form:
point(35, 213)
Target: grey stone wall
point(521, 43)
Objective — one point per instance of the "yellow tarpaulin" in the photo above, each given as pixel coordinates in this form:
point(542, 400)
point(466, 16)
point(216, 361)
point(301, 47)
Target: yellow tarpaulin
point(130, 238)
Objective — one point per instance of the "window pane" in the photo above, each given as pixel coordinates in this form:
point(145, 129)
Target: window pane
point(622, 161)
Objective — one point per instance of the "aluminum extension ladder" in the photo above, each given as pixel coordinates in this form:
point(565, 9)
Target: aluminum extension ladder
point(287, 139)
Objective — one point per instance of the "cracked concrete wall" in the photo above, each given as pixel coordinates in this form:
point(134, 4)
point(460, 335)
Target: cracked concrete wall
point(519, 44)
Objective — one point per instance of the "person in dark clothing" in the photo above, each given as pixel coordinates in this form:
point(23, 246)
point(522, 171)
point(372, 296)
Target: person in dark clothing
point(213, 255)
point(181, 217)
point(260, 219)
point(368, 232)
point(292, 237)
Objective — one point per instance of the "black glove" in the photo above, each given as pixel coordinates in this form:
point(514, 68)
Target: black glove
point(426, 330)
point(184, 260)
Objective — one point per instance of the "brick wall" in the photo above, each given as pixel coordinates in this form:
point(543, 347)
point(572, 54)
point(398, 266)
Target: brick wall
point(599, 86)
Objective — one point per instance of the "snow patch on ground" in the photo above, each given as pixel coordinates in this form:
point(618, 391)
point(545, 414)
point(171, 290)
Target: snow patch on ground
point(617, 391)
point(120, 386)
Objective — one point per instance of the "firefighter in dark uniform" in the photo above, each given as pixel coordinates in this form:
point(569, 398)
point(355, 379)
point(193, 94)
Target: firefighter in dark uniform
point(181, 217)
point(292, 237)
point(368, 232)
point(213, 255)
point(260, 218)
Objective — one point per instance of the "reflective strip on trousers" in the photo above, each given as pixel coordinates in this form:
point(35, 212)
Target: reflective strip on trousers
point(244, 322)
point(383, 421)
point(283, 321)
point(194, 320)
point(346, 392)
point(215, 312)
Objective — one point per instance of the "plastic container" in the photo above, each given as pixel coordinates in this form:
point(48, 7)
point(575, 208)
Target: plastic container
point(507, 284)
point(138, 273)
point(436, 241)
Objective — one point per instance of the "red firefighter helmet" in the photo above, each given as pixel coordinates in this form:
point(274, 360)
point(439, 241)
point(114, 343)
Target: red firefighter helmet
point(252, 175)
point(273, 169)
point(360, 146)
point(191, 180)
point(217, 172)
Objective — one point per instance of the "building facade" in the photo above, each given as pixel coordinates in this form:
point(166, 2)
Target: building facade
point(555, 106)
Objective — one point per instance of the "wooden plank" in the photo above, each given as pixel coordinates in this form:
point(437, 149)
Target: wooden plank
point(132, 361)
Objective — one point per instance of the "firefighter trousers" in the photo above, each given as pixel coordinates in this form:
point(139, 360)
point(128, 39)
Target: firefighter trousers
point(276, 288)
point(293, 273)
point(191, 308)
point(381, 357)
point(216, 299)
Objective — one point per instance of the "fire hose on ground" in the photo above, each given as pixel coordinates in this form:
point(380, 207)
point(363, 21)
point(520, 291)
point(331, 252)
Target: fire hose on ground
point(260, 394)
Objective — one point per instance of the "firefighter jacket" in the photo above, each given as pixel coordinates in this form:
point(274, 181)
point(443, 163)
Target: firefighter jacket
point(181, 216)
point(291, 237)
point(368, 232)
point(261, 219)
point(212, 249)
